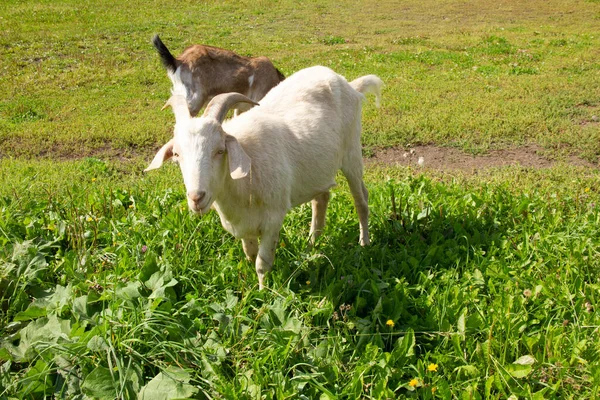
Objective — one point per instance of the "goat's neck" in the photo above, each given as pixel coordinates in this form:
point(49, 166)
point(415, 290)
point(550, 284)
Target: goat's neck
point(234, 194)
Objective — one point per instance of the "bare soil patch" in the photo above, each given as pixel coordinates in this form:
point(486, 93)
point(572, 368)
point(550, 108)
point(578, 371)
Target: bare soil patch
point(423, 156)
point(451, 159)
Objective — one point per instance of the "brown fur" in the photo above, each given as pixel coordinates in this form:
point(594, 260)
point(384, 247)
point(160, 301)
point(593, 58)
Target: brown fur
point(208, 71)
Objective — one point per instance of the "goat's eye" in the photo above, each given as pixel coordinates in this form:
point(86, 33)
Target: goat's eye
point(219, 152)
point(175, 155)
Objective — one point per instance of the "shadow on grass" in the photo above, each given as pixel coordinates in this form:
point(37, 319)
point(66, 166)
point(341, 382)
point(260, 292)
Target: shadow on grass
point(420, 260)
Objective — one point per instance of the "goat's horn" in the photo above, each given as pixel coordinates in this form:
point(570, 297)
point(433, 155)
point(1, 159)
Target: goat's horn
point(220, 104)
point(179, 106)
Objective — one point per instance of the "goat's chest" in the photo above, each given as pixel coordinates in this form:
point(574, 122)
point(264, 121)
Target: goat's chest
point(242, 222)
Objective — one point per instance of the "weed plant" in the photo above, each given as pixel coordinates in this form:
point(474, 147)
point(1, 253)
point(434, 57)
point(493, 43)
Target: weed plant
point(472, 288)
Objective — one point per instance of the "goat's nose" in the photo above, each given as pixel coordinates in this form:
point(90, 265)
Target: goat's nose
point(196, 197)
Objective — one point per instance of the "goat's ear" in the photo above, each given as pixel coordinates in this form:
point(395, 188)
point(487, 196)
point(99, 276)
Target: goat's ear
point(163, 155)
point(239, 162)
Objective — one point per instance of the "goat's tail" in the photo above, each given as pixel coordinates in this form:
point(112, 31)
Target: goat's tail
point(369, 84)
point(166, 57)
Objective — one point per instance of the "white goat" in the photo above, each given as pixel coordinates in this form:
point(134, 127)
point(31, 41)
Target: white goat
point(254, 168)
point(207, 71)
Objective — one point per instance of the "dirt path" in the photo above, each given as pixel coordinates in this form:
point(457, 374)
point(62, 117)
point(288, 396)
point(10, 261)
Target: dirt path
point(426, 156)
point(447, 158)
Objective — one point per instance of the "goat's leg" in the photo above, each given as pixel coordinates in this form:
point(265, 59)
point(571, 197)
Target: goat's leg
point(250, 246)
point(319, 209)
point(266, 254)
point(361, 199)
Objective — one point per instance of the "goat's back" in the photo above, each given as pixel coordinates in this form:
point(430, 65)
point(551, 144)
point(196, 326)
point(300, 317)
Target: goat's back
point(301, 132)
point(314, 87)
point(310, 104)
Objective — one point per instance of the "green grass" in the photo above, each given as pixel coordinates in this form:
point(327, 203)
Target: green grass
point(110, 286)
point(84, 79)
point(480, 286)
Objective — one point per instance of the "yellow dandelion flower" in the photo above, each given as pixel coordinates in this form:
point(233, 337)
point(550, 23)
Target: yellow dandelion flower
point(432, 367)
point(93, 179)
point(390, 323)
point(413, 382)
point(433, 389)
point(89, 219)
point(308, 282)
point(587, 189)
point(131, 206)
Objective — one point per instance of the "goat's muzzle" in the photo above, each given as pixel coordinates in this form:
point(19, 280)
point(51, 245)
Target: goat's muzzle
point(199, 202)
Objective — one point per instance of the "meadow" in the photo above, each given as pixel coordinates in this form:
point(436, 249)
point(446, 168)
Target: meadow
point(476, 285)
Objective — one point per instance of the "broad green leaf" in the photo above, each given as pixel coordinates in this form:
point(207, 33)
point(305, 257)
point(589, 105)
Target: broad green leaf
point(129, 292)
point(68, 376)
point(540, 395)
point(405, 347)
point(41, 332)
point(478, 278)
point(293, 324)
point(518, 370)
point(469, 371)
point(159, 282)
point(37, 378)
point(457, 342)
point(32, 312)
point(150, 267)
point(97, 343)
point(231, 300)
point(99, 384)
point(59, 298)
point(169, 384)
point(5, 354)
point(474, 322)
point(525, 360)
point(80, 306)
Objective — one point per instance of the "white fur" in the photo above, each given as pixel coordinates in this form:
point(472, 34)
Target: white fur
point(301, 133)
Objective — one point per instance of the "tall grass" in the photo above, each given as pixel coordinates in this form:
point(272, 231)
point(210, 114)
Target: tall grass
point(484, 286)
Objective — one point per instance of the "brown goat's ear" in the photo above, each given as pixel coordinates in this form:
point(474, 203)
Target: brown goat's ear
point(163, 155)
point(239, 162)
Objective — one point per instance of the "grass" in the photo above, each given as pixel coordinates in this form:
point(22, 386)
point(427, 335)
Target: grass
point(477, 286)
point(476, 76)
point(110, 287)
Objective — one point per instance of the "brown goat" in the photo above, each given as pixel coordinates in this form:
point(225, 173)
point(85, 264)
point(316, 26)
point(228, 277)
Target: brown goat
point(207, 71)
